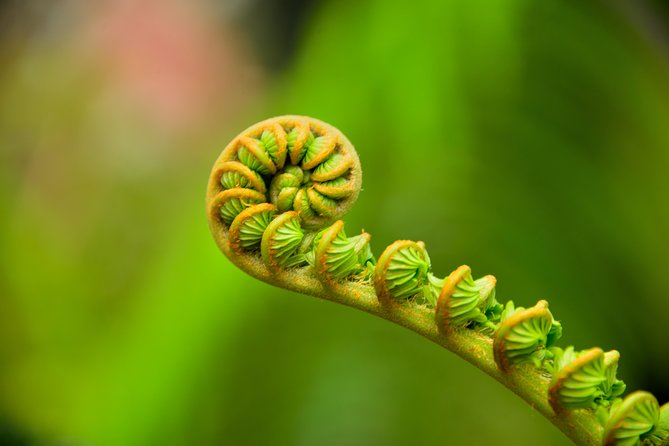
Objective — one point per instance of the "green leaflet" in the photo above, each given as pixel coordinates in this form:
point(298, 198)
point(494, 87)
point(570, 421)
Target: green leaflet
point(340, 187)
point(291, 139)
point(509, 310)
point(281, 240)
point(252, 162)
point(234, 205)
point(577, 384)
point(560, 359)
point(463, 301)
point(612, 387)
point(524, 335)
point(285, 200)
point(321, 204)
point(660, 435)
point(236, 175)
point(432, 289)
point(526, 342)
point(270, 145)
point(585, 380)
point(635, 420)
point(332, 167)
point(252, 230)
point(283, 188)
point(302, 206)
point(231, 208)
point(301, 175)
point(490, 307)
point(402, 271)
point(286, 241)
point(311, 148)
point(252, 155)
point(336, 256)
point(342, 257)
point(365, 255)
point(554, 334)
point(283, 180)
point(234, 179)
point(319, 149)
point(247, 229)
point(406, 273)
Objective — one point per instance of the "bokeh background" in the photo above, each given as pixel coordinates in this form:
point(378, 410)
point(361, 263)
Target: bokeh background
point(528, 139)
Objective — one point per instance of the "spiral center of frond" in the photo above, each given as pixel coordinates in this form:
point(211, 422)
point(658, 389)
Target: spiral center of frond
point(296, 164)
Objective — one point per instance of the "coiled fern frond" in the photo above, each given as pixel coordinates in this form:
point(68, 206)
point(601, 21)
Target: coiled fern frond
point(274, 200)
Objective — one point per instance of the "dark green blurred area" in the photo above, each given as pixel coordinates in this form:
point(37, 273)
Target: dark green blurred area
point(528, 139)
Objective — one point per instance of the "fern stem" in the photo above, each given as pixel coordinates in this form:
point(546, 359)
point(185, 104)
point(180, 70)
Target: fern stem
point(274, 196)
point(526, 381)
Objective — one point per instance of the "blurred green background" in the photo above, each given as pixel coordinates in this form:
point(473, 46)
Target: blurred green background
point(528, 139)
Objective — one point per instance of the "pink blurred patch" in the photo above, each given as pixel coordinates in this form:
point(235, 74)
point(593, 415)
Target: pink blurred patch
point(169, 60)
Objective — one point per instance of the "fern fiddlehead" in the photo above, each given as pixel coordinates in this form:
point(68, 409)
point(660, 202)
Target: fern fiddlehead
point(274, 198)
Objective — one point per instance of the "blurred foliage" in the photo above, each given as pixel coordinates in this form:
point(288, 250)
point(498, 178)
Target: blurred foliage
point(526, 139)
